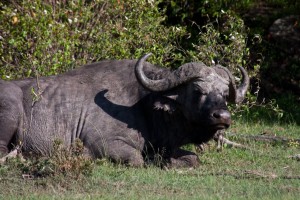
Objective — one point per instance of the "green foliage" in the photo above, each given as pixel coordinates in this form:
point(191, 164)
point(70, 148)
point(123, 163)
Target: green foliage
point(223, 41)
point(288, 6)
point(213, 7)
point(182, 11)
point(257, 112)
point(217, 35)
point(50, 37)
point(189, 11)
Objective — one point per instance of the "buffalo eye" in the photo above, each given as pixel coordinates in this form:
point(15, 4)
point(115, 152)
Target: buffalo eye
point(197, 93)
point(198, 98)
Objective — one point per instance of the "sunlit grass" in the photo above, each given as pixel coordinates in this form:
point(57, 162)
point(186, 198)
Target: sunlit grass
point(264, 171)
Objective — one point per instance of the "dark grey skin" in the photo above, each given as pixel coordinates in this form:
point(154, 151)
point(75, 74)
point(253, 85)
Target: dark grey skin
point(127, 111)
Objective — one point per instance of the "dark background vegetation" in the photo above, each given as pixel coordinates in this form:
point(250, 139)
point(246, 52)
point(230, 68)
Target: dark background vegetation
point(42, 38)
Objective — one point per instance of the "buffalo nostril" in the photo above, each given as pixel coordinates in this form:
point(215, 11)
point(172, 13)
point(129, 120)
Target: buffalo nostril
point(222, 114)
point(216, 115)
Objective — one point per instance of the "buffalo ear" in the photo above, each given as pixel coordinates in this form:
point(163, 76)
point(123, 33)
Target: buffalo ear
point(166, 104)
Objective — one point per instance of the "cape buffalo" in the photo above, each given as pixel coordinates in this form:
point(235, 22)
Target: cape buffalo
point(127, 110)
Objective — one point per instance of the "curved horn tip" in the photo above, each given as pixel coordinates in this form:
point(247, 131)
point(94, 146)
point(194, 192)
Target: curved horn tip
point(244, 75)
point(144, 57)
point(242, 69)
point(242, 89)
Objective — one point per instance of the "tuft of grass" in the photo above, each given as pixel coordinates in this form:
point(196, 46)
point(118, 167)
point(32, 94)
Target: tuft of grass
point(64, 161)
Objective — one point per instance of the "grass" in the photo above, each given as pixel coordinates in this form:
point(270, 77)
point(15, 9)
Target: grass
point(227, 174)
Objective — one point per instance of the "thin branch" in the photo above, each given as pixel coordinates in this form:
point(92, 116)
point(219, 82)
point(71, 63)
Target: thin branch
point(266, 138)
point(12, 154)
point(270, 138)
point(224, 141)
point(251, 174)
point(295, 157)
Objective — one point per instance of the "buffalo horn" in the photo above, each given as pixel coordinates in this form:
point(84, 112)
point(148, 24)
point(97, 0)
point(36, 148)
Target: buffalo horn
point(187, 73)
point(237, 95)
point(174, 79)
point(243, 87)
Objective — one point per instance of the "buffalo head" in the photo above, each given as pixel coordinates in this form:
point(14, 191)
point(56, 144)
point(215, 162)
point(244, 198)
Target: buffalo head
point(200, 92)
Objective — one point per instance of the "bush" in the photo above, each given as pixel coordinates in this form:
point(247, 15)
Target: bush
point(50, 37)
point(222, 41)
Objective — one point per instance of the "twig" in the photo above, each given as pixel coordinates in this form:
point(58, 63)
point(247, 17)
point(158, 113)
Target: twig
point(268, 138)
point(272, 175)
point(296, 157)
point(12, 154)
point(28, 176)
point(252, 174)
point(222, 140)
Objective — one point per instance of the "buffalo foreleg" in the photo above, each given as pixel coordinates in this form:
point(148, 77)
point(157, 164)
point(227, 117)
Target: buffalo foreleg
point(117, 151)
point(126, 154)
point(182, 158)
point(8, 128)
point(11, 106)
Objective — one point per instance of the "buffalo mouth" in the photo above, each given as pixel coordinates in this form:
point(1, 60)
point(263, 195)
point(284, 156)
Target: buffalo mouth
point(213, 125)
point(220, 126)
